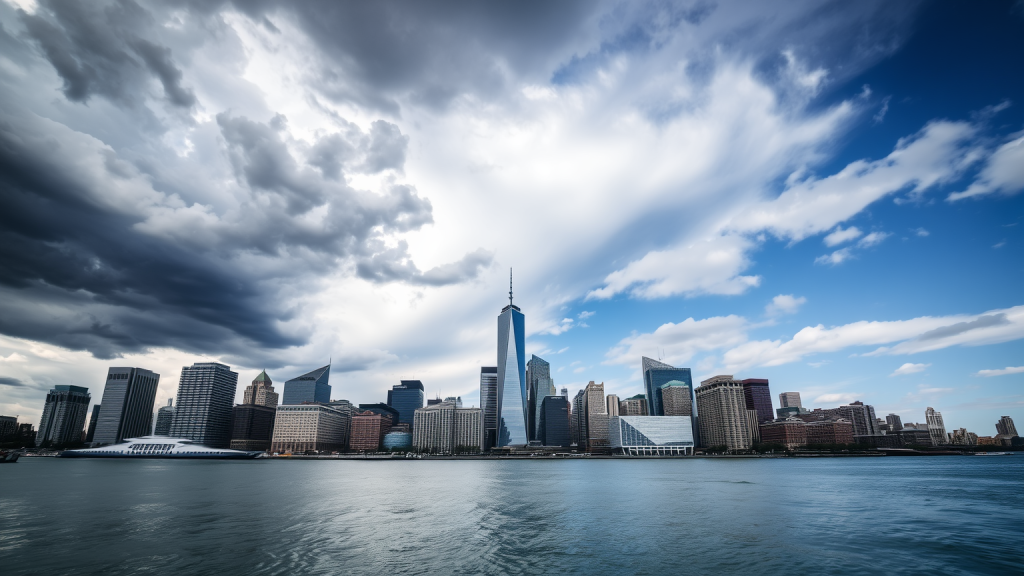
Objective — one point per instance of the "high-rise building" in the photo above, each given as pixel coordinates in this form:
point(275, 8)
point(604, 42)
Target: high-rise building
point(164, 418)
point(538, 386)
point(93, 419)
point(383, 410)
point(489, 404)
point(443, 428)
point(310, 387)
point(565, 393)
point(676, 399)
point(512, 408)
point(651, 435)
point(63, 416)
point(596, 413)
point(1005, 427)
point(758, 398)
point(309, 427)
point(252, 427)
point(655, 375)
point(406, 397)
point(790, 400)
point(578, 422)
point(895, 422)
point(635, 406)
point(612, 405)
point(261, 392)
point(127, 406)
point(368, 429)
point(9, 427)
point(936, 428)
point(723, 414)
point(554, 422)
point(206, 393)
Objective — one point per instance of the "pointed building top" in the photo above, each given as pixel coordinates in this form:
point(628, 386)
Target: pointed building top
point(510, 286)
point(263, 378)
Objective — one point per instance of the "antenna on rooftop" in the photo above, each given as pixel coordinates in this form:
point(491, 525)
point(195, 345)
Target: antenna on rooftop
point(510, 286)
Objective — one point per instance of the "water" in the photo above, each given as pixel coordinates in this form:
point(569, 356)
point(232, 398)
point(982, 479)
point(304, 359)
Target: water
point(938, 515)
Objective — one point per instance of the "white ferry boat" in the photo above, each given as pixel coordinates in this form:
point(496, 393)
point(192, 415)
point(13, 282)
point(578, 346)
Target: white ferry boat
point(158, 447)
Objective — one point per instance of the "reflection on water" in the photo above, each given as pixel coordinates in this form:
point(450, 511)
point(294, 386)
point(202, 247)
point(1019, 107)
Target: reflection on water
point(826, 516)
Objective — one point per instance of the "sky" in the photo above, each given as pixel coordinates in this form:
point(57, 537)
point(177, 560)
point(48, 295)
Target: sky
point(824, 194)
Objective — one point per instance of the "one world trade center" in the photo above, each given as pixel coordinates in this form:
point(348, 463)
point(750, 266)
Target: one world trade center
point(511, 389)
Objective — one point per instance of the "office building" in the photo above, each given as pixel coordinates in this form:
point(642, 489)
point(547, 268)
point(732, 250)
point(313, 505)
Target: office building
point(790, 412)
point(310, 387)
point(790, 400)
point(936, 428)
point(383, 410)
point(9, 427)
point(206, 394)
point(676, 399)
point(635, 406)
point(554, 422)
point(261, 392)
point(252, 427)
point(790, 433)
point(612, 405)
point(758, 398)
point(126, 410)
point(1005, 427)
point(861, 416)
point(93, 419)
point(164, 418)
point(367, 430)
point(657, 374)
point(829, 432)
point(309, 427)
point(565, 393)
point(512, 408)
point(651, 435)
point(489, 404)
point(577, 422)
point(895, 422)
point(63, 416)
point(406, 397)
point(539, 385)
point(723, 414)
point(445, 429)
point(962, 437)
point(595, 410)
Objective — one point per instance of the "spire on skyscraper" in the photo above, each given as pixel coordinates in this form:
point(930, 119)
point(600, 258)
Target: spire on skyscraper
point(510, 286)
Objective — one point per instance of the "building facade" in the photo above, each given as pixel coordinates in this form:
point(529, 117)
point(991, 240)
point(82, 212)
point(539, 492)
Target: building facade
point(512, 398)
point(635, 406)
point(895, 422)
point(657, 374)
point(554, 422)
point(612, 405)
point(164, 418)
point(94, 417)
point(127, 406)
point(790, 433)
point(790, 400)
point(595, 411)
point(445, 429)
point(830, 432)
point(936, 427)
point(252, 427)
point(758, 398)
point(206, 394)
point(367, 430)
point(723, 414)
point(489, 404)
point(63, 416)
point(676, 399)
point(539, 385)
point(309, 427)
point(1005, 427)
point(261, 392)
point(577, 423)
point(406, 398)
point(312, 386)
point(651, 435)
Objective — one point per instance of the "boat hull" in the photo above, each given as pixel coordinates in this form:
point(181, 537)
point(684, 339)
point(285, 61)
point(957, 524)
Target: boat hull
point(242, 456)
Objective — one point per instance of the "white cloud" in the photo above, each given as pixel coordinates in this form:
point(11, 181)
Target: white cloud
point(839, 235)
point(678, 343)
point(921, 232)
point(586, 314)
point(873, 239)
point(837, 398)
point(1003, 172)
point(909, 368)
point(1000, 372)
point(837, 257)
point(784, 304)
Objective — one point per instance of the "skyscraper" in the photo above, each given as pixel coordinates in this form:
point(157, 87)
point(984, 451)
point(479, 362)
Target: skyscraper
point(512, 408)
point(894, 422)
point(383, 410)
point(758, 398)
point(305, 427)
point(489, 404)
point(554, 422)
point(164, 418)
point(578, 422)
point(790, 400)
point(63, 416)
point(310, 387)
point(261, 392)
point(657, 373)
point(93, 419)
point(936, 428)
point(1005, 427)
point(252, 426)
point(612, 403)
point(206, 392)
point(127, 406)
point(676, 399)
point(635, 406)
point(723, 414)
point(406, 397)
point(595, 411)
point(367, 430)
point(445, 428)
point(538, 386)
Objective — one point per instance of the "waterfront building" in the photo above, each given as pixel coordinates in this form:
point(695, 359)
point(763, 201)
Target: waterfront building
point(838, 431)
point(595, 412)
point(206, 393)
point(312, 386)
point(396, 440)
point(651, 435)
point(612, 402)
point(790, 412)
point(758, 398)
point(93, 419)
point(988, 441)
point(406, 397)
point(861, 416)
point(164, 418)
point(962, 437)
point(790, 400)
point(1005, 427)
point(261, 392)
point(26, 434)
point(538, 386)
point(9, 426)
point(127, 405)
point(936, 428)
point(723, 414)
point(791, 433)
point(512, 408)
point(895, 422)
point(63, 416)
point(577, 423)
point(309, 427)
point(676, 399)
point(443, 428)
point(383, 410)
point(489, 404)
point(554, 422)
point(753, 426)
point(657, 374)
point(368, 429)
point(252, 427)
point(635, 406)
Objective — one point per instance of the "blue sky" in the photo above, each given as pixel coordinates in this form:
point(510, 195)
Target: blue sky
point(823, 194)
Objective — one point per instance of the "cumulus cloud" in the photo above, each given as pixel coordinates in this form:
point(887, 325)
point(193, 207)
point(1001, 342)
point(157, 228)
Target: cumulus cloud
point(909, 368)
point(1003, 172)
point(680, 342)
point(837, 398)
point(840, 235)
point(1000, 372)
point(784, 304)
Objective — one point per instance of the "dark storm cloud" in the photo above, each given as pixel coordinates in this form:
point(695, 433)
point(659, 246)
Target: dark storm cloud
point(395, 265)
point(96, 50)
point(12, 382)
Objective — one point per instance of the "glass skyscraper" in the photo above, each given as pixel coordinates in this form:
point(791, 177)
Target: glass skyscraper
point(512, 408)
point(127, 406)
point(539, 385)
point(489, 404)
point(656, 375)
point(406, 397)
point(310, 387)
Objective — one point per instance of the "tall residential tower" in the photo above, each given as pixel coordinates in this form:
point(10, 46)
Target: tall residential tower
point(206, 392)
point(126, 410)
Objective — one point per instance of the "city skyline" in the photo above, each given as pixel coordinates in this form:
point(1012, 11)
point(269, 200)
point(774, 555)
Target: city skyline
point(826, 199)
